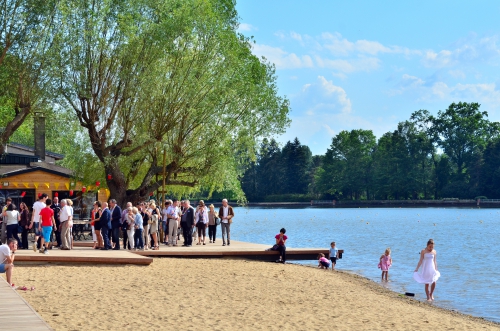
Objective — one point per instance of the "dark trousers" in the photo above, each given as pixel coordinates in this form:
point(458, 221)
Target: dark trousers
point(12, 233)
point(24, 238)
point(187, 233)
point(212, 232)
point(125, 238)
point(58, 234)
point(105, 237)
point(138, 237)
point(282, 250)
point(115, 236)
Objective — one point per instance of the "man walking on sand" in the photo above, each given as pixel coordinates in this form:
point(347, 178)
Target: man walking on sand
point(187, 223)
point(47, 223)
point(226, 215)
point(66, 217)
point(7, 252)
point(35, 217)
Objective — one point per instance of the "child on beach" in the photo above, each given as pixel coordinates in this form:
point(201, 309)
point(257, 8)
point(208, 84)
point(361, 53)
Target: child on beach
point(385, 263)
point(323, 262)
point(334, 254)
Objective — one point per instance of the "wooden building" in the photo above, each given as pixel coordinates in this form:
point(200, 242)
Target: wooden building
point(25, 176)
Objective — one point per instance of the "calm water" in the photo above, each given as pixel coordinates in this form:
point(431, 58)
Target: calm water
point(467, 245)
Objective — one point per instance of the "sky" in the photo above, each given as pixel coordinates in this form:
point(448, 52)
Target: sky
point(369, 65)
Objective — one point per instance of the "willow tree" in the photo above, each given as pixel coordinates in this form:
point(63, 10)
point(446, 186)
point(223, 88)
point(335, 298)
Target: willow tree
point(154, 81)
point(26, 31)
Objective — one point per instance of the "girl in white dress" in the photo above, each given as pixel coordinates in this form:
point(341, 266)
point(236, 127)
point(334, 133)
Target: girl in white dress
point(429, 273)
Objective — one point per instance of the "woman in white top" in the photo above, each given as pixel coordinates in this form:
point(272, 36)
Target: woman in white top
point(201, 219)
point(13, 218)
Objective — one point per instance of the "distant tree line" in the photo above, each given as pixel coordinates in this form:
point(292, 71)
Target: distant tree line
point(455, 154)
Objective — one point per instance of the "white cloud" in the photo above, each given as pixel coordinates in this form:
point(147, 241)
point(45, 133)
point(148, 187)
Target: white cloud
point(459, 74)
point(245, 27)
point(336, 92)
point(281, 58)
point(349, 65)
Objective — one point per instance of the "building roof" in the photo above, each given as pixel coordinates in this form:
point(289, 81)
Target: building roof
point(11, 169)
point(32, 150)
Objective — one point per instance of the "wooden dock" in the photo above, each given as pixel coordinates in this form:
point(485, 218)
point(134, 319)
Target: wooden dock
point(237, 249)
point(82, 255)
point(16, 314)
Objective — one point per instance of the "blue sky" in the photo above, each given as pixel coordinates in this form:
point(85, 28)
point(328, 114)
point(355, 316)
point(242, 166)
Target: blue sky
point(369, 64)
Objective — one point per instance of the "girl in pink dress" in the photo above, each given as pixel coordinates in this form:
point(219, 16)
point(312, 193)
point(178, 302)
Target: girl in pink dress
point(385, 263)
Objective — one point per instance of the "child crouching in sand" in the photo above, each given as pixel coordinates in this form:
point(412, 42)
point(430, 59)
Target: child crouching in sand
point(323, 262)
point(385, 263)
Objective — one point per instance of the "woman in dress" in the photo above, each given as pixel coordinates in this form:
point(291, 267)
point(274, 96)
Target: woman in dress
point(130, 219)
point(96, 215)
point(24, 223)
point(153, 227)
point(429, 273)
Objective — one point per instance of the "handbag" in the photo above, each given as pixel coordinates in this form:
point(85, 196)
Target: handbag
point(217, 221)
point(275, 247)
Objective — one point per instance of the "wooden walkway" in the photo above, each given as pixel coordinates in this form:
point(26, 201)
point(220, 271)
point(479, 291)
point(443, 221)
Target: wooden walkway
point(16, 313)
point(237, 249)
point(82, 255)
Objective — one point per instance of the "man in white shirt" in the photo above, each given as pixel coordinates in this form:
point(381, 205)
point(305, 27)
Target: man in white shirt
point(65, 217)
point(7, 252)
point(35, 216)
point(173, 222)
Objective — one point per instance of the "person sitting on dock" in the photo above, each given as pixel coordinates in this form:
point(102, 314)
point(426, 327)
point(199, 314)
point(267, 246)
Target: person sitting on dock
point(7, 252)
point(280, 242)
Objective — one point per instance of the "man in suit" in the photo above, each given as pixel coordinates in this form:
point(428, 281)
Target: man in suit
point(187, 224)
point(116, 218)
point(226, 215)
point(105, 221)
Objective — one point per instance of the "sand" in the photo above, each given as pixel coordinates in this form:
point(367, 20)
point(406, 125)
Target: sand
point(189, 294)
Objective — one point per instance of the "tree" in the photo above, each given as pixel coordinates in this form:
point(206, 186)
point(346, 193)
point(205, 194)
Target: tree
point(296, 160)
point(26, 31)
point(346, 167)
point(150, 80)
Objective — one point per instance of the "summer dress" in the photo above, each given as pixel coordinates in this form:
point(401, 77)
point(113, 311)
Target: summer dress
point(428, 273)
point(385, 263)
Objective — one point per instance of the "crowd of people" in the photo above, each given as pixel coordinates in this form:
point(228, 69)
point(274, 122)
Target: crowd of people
point(145, 226)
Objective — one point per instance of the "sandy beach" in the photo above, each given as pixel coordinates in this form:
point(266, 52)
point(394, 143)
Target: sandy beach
point(196, 294)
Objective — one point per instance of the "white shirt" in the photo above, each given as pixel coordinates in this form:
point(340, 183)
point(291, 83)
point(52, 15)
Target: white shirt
point(165, 213)
point(12, 216)
point(225, 211)
point(65, 213)
point(37, 208)
point(4, 253)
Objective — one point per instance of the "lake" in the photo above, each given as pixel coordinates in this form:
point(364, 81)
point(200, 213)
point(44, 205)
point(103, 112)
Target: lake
point(466, 241)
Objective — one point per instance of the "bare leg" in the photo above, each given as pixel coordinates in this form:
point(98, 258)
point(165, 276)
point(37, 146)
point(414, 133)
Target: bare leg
point(433, 286)
point(386, 275)
point(8, 272)
point(427, 292)
point(155, 240)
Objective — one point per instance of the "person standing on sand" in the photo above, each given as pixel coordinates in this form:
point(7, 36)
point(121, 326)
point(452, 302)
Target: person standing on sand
point(96, 214)
point(125, 226)
point(8, 201)
point(25, 224)
point(65, 225)
point(116, 217)
point(7, 252)
point(201, 218)
point(187, 223)
point(212, 224)
point(281, 241)
point(226, 214)
point(139, 227)
point(12, 217)
point(105, 222)
point(56, 207)
point(429, 273)
point(145, 225)
point(173, 222)
point(47, 223)
point(35, 217)
point(333, 254)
